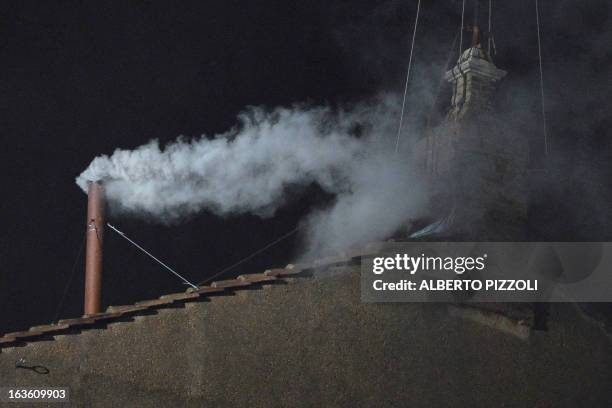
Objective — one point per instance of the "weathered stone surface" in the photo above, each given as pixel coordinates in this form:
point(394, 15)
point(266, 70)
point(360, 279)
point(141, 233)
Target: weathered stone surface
point(314, 343)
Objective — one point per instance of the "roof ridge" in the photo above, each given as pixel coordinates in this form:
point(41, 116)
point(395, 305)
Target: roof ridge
point(221, 287)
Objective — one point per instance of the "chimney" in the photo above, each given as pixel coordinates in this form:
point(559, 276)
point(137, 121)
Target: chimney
point(93, 255)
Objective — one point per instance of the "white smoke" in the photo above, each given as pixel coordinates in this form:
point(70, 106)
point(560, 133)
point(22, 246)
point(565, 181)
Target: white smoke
point(250, 168)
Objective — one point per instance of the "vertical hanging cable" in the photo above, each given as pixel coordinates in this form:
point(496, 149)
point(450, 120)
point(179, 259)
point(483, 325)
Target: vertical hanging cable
point(429, 163)
point(399, 129)
point(490, 29)
point(58, 311)
point(461, 35)
point(541, 79)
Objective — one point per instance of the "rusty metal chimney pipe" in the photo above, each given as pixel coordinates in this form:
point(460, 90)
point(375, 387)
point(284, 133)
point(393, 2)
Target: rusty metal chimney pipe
point(93, 252)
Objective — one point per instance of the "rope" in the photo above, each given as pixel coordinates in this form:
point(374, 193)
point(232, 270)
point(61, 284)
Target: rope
point(461, 36)
point(259, 251)
point(541, 80)
point(58, 311)
point(399, 129)
point(490, 29)
point(154, 258)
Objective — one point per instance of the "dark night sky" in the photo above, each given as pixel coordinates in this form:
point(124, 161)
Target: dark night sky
point(82, 78)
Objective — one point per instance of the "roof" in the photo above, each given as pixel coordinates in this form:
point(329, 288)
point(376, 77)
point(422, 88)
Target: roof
point(217, 288)
point(511, 318)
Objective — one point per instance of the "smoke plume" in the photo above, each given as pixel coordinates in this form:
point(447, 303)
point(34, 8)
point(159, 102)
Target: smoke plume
point(252, 167)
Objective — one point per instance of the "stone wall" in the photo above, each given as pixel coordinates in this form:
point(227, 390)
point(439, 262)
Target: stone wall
point(312, 342)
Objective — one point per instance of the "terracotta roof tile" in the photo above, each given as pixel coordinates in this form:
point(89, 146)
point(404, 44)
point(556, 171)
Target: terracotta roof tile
point(257, 278)
point(156, 302)
point(124, 309)
point(230, 283)
point(177, 297)
point(22, 334)
point(105, 316)
point(49, 327)
point(77, 321)
point(8, 341)
point(202, 290)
